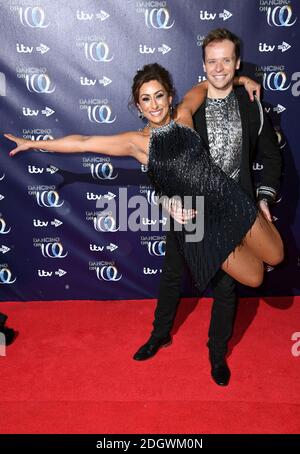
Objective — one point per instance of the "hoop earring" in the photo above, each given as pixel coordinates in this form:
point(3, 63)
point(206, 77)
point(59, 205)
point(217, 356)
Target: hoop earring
point(141, 115)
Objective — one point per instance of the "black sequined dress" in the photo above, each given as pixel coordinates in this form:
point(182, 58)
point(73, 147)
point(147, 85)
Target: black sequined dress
point(179, 164)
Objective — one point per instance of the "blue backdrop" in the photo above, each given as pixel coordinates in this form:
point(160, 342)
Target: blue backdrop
point(67, 67)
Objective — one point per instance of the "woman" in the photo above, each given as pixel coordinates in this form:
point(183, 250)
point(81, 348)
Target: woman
point(236, 236)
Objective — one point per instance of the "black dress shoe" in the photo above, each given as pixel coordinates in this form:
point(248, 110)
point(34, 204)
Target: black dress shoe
point(220, 371)
point(149, 349)
point(10, 334)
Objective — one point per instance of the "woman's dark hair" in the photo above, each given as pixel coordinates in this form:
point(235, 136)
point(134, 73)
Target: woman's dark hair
point(219, 34)
point(153, 71)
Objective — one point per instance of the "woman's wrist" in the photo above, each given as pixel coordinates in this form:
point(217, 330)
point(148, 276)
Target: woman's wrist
point(30, 143)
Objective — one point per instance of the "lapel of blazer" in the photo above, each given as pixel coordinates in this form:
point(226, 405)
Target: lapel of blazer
point(245, 126)
point(245, 167)
point(200, 124)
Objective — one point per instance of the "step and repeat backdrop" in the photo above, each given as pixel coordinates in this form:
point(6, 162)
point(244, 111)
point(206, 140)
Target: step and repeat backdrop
point(67, 68)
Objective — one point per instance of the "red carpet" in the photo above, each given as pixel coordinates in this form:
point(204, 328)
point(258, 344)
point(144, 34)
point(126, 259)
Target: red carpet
point(70, 370)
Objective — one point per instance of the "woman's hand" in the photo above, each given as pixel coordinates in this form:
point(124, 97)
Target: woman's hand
point(22, 144)
point(251, 87)
point(264, 206)
point(175, 210)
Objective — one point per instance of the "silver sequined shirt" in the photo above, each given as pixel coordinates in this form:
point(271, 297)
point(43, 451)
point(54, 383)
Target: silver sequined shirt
point(224, 130)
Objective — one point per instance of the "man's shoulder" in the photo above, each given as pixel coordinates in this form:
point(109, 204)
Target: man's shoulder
point(252, 110)
point(242, 95)
point(253, 107)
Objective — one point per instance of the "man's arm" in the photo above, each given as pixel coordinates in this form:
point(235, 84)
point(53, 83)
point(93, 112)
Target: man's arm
point(271, 160)
point(272, 163)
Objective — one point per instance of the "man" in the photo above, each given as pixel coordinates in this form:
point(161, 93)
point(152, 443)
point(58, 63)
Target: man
point(9, 333)
point(231, 126)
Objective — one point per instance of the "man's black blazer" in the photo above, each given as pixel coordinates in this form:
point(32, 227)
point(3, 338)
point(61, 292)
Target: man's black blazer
point(252, 121)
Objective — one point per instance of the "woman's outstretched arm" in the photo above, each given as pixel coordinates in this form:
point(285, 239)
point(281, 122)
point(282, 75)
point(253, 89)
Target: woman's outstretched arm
point(116, 145)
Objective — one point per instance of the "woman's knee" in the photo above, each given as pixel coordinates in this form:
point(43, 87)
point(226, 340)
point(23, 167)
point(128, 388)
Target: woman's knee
point(276, 256)
point(255, 281)
point(255, 278)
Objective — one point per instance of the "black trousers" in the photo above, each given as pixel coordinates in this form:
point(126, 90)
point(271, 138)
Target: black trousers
point(223, 309)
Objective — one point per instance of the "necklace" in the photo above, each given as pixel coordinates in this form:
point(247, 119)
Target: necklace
point(166, 125)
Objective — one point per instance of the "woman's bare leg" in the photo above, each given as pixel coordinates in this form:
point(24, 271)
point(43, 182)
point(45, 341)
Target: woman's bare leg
point(244, 266)
point(261, 244)
point(264, 241)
